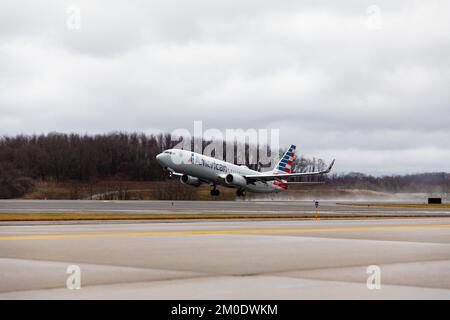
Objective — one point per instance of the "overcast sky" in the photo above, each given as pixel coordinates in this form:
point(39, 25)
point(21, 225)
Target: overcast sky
point(365, 82)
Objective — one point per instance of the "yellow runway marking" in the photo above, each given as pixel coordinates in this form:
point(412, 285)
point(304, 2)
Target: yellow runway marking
point(215, 232)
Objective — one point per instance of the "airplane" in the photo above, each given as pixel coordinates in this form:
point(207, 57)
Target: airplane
point(194, 169)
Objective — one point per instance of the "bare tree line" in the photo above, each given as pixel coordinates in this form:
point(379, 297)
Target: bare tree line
point(83, 157)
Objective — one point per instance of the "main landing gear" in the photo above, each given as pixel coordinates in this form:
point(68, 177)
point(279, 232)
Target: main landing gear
point(240, 193)
point(215, 192)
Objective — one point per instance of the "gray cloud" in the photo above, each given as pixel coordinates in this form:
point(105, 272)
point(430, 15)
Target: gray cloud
point(378, 100)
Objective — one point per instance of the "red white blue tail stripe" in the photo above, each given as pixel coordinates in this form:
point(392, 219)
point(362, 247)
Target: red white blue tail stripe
point(284, 166)
point(285, 163)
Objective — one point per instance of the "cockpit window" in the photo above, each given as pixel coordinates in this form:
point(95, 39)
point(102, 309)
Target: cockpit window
point(168, 152)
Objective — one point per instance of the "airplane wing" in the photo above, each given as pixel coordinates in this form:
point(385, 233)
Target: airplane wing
point(271, 176)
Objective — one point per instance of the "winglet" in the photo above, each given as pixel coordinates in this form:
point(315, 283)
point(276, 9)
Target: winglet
point(330, 167)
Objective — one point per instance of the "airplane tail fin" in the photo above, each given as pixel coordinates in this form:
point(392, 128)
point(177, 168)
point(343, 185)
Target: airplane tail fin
point(285, 163)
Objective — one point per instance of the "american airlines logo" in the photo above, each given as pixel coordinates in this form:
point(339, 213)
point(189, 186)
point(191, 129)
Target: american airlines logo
point(198, 160)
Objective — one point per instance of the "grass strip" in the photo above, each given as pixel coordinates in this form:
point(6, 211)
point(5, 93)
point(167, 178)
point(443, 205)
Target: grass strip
point(49, 216)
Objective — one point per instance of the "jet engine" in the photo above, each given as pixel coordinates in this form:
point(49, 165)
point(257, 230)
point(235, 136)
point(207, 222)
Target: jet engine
point(236, 180)
point(191, 181)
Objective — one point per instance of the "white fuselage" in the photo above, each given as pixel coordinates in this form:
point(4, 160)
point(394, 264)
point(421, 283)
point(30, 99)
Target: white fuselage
point(212, 170)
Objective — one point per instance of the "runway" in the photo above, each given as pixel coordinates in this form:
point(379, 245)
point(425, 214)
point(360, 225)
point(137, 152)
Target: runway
point(300, 259)
point(136, 207)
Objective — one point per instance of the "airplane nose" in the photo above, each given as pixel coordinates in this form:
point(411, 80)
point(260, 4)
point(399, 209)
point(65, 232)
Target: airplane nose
point(159, 158)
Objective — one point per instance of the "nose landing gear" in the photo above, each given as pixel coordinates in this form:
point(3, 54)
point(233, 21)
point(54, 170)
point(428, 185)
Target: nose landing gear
point(240, 193)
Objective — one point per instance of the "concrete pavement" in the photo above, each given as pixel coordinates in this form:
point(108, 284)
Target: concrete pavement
point(228, 260)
